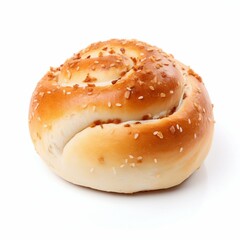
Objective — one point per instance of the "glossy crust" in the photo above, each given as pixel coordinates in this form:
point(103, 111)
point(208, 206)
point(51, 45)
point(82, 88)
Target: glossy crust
point(122, 116)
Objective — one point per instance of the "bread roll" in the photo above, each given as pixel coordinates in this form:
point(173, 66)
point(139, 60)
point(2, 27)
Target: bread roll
point(122, 116)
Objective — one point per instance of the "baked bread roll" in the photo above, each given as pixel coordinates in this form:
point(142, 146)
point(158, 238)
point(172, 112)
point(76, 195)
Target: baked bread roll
point(122, 116)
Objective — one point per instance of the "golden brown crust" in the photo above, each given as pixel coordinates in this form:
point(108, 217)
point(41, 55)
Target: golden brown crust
point(135, 104)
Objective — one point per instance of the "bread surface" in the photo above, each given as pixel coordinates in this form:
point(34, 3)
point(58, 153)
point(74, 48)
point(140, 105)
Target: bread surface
point(122, 116)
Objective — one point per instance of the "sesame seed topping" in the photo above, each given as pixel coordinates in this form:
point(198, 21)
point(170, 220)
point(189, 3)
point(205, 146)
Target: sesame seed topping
point(139, 158)
point(136, 135)
point(41, 94)
point(163, 95)
point(77, 68)
point(189, 121)
point(180, 129)
point(64, 91)
point(122, 165)
point(152, 88)
point(177, 126)
point(129, 89)
point(204, 110)
point(171, 91)
point(158, 134)
point(127, 94)
point(109, 104)
point(118, 104)
point(103, 65)
point(84, 105)
point(39, 119)
point(126, 160)
point(140, 98)
point(172, 129)
point(199, 117)
point(112, 65)
point(96, 62)
point(49, 92)
point(69, 74)
point(94, 108)
point(131, 156)
point(155, 160)
point(150, 49)
point(91, 170)
point(181, 149)
point(132, 164)
point(68, 93)
point(195, 135)
point(141, 54)
point(45, 125)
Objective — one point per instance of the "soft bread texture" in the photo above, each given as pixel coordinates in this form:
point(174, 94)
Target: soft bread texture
point(122, 116)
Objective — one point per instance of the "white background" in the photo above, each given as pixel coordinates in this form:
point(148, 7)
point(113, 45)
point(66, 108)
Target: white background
point(36, 204)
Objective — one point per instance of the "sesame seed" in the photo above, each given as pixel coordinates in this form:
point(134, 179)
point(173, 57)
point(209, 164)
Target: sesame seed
point(45, 125)
point(209, 119)
point(103, 65)
point(122, 165)
point(126, 160)
point(118, 104)
point(189, 121)
point(136, 135)
point(112, 65)
point(152, 88)
point(140, 98)
point(195, 135)
point(36, 106)
point(114, 170)
point(199, 117)
point(172, 129)
point(109, 104)
point(163, 95)
point(128, 88)
point(131, 156)
point(41, 94)
point(68, 93)
point(96, 62)
point(49, 92)
point(39, 119)
point(141, 54)
point(155, 160)
point(94, 108)
point(181, 149)
point(204, 110)
point(69, 74)
point(171, 91)
point(64, 91)
point(150, 49)
point(84, 105)
point(158, 134)
point(139, 158)
point(77, 68)
point(91, 170)
point(152, 58)
point(180, 129)
point(132, 164)
point(177, 126)
point(127, 94)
